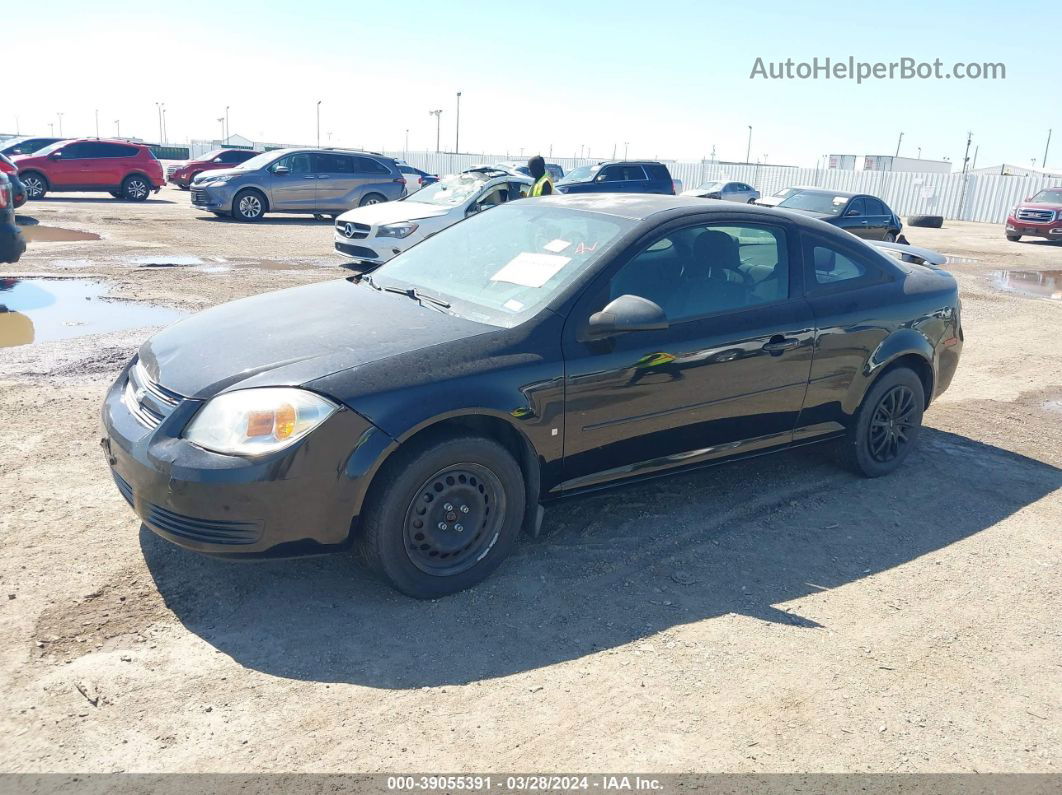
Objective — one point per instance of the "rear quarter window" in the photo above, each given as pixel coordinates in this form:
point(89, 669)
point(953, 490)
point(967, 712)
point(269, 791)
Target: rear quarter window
point(367, 165)
point(658, 172)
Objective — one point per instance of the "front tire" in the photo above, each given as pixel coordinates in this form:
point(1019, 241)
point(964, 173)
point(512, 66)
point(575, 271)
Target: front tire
point(887, 424)
point(36, 185)
point(444, 516)
point(1013, 238)
point(372, 198)
point(249, 205)
point(136, 188)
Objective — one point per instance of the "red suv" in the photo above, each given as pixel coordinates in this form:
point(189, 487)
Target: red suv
point(1038, 216)
point(125, 170)
point(219, 158)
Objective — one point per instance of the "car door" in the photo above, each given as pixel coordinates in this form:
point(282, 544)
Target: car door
point(853, 217)
point(292, 183)
point(336, 181)
point(111, 163)
point(727, 376)
point(371, 177)
point(877, 218)
point(731, 192)
point(72, 168)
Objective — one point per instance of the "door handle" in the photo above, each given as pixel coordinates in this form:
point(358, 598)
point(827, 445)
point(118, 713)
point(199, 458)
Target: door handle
point(780, 344)
point(322, 176)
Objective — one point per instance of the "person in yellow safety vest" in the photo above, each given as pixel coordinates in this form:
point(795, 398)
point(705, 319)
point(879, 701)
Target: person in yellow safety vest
point(543, 184)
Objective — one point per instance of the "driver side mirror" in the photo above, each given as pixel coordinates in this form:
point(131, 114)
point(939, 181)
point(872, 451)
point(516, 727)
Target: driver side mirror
point(281, 171)
point(627, 313)
point(57, 155)
point(851, 213)
point(599, 178)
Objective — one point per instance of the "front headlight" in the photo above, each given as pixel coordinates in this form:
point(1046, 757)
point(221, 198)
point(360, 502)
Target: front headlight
point(396, 230)
point(217, 180)
point(256, 421)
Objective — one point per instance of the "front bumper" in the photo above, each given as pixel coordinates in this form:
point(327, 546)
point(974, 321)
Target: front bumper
point(301, 499)
point(1052, 230)
point(216, 198)
point(12, 243)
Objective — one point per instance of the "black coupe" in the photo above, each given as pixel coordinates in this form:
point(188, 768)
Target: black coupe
point(426, 410)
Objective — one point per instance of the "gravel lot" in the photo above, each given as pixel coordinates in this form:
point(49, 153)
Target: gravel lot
point(773, 615)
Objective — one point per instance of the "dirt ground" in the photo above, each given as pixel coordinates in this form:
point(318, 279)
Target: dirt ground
point(773, 615)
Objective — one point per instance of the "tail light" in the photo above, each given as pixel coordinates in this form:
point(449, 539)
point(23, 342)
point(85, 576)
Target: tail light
point(5, 196)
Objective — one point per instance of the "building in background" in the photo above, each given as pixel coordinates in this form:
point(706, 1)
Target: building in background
point(1008, 170)
point(888, 163)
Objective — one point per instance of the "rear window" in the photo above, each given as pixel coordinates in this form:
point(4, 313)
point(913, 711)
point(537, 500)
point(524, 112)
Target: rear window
point(658, 172)
point(367, 165)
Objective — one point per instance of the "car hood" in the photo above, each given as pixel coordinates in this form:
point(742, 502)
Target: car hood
point(1039, 205)
point(769, 201)
point(289, 337)
point(695, 192)
point(221, 172)
point(393, 212)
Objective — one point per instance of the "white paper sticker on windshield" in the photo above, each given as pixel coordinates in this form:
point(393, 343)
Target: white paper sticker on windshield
point(530, 270)
point(556, 246)
point(513, 305)
point(840, 199)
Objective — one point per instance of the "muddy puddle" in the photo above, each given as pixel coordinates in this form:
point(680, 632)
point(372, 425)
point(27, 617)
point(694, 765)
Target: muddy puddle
point(39, 310)
point(1037, 284)
point(38, 233)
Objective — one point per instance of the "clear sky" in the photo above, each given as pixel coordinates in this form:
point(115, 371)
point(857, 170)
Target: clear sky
point(670, 77)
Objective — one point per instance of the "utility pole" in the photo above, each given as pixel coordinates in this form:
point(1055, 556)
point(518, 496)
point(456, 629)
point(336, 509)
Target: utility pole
point(438, 115)
point(748, 148)
point(60, 115)
point(625, 145)
point(919, 153)
point(898, 145)
point(966, 155)
point(165, 129)
point(158, 108)
point(51, 129)
point(228, 130)
point(97, 123)
point(613, 151)
point(117, 128)
point(1046, 147)
point(318, 124)
point(965, 170)
point(405, 151)
point(457, 134)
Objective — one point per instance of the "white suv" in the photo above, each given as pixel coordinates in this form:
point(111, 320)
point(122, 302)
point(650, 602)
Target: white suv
point(377, 232)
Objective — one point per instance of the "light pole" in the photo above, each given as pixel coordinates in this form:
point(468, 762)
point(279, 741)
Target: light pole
point(51, 129)
point(228, 129)
point(158, 107)
point(919, 153)
point(318, 123)
point(1046, 147)
point(748, 148)
point(97, 123)
point(898, 145)
point(438, 115)
point(165, 129)
point(60, 115)
point(117, 128)
point(625, 145)
point(457, 134)
point(405, 151)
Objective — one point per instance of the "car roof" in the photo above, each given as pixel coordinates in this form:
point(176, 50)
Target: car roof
point(845, 193)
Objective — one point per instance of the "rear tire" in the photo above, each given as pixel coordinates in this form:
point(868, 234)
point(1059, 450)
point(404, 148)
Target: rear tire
point(443, 516)
point(372, 198)
point(248, 205)
point(890, 237)
point(136, 188)
point(1013, 238)
point(35, 184)
point(886, 426)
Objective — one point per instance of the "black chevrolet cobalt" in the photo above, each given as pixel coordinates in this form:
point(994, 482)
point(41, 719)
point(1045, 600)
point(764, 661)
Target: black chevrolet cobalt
point(425, 411)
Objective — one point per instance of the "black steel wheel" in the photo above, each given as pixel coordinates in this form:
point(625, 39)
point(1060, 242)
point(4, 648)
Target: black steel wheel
point(454, 519)
point(886, 426)
point(443, 514)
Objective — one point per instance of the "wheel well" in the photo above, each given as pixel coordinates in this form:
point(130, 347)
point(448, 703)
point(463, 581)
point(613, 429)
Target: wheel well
point(265, 199)
point(488, 427)
point(921, 368)
point(40, 174)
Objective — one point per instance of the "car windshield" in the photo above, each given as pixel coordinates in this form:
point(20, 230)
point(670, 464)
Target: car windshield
point(784, 192)
point(258, 161)
point(581, 174)
point(816, 201)
point(209, 155)
point(712, 186)
point(50, 148)
point(1049, 196)
point(502, 266)
point(451, 190)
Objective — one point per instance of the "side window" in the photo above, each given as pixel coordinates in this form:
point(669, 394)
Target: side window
point(332, 164)
point(297, 164)
point(856, 208)
point(77, 151)
point(110, 150)
point(611, 174)
point(232, 156)
point(366, 165)
point(658, 172)
point(703, 270)
point(875, 207)
point(829, 267)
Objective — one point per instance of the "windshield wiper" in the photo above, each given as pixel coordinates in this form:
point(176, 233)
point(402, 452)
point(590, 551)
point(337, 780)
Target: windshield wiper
point(417, 295)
